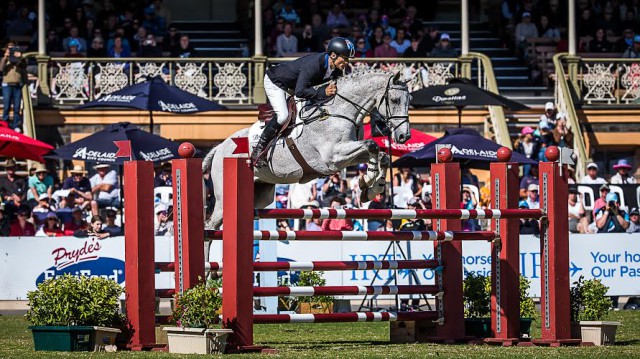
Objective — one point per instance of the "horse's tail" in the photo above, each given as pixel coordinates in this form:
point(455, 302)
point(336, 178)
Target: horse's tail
point(208, 160)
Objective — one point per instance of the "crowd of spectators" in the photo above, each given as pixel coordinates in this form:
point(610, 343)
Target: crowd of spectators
point(36, 203)
point(99, 28)
point(377, 29)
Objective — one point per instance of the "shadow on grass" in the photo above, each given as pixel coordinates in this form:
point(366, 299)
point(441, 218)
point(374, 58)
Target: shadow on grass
point(623, 343)
point(298, 344)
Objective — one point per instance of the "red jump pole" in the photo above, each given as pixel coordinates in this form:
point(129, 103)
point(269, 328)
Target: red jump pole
point(139, 250)
point(505, 263)
point(237, 247)
point(445, 181)
point(188, 221)
point(554, 249)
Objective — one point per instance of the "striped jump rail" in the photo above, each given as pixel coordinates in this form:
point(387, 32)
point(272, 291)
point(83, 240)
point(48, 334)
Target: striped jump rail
point(343, 317)
point(345, 290)
point(367, 235)
point(282, 213)
point(319, 265)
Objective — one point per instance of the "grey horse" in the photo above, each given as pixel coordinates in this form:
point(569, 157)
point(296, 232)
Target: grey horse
point(328, 143)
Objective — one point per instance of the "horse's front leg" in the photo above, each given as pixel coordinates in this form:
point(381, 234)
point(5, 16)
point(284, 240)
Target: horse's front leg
point(352, 153)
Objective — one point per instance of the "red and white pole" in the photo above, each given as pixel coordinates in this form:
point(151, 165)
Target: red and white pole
point(445, 180)
point(505, 262)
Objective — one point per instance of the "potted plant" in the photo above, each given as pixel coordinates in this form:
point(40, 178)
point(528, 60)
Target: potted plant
point(527, 308)
point(476, 292)
point(196, 313)
point(315, 304)
point(71, 313)
point(589, 305)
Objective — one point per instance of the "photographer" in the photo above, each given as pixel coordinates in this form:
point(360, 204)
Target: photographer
point(610, 218)
point(333, 186)
point(14, 73)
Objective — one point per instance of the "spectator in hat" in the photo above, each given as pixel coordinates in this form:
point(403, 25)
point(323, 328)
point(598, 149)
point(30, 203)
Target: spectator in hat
point(39, 184)
point(528, 144)
point(414, 224)
point(524, 30)
point(110, 224)
point(578, 221)
point(16, 203)
point(335, 224)
point(444, 48)
point(288, 13)
point(600, 202)
point(312, 224)
point(50, 227)
point(533, 200)
point(550, 114)
point(622, 176)
point(41, 210)
point(162, 225)
point(527, 225)
point(79, 186)
point(632, 51)
point(386, 27)
point(634, 221)
point(5, 226)
point(21, 227)
point(73, 50)
point(163, 178)
point(74, 37)
point(592, 175)
point(9, 182)
point(77, 223)
point(611, 218)
point(104, 188)
point(333, 186)
point(528, 180)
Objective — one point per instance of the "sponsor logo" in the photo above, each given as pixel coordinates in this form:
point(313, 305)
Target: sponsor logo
point(178, 107)
point(9, 137)
point(448, 99)
point(452, 91)
point(472, 152)
point(117, 98)
point(84, 260)
point(88, 155)
point(159, 155)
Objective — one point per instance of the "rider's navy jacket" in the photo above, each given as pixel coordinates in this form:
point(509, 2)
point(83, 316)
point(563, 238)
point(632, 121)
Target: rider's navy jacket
point(302, 74)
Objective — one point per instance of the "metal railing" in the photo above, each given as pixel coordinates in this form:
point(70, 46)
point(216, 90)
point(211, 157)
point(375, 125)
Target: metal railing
point(565, 103)
point(609, 81)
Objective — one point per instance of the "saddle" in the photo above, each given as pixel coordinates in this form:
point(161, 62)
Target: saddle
point(266, 112)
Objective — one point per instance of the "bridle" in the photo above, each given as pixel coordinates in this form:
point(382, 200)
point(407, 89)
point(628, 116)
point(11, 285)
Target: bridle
point(375, 113)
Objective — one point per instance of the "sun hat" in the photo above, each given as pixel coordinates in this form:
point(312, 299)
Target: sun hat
point(78, 169)
point(533, 187)
point(43, 197)
point(612, 197)
point(40, 168)
point(523, 204)
point(622, 164)
point(160, 208)
point(101, 165)
point(527, 130)
point(9, 163)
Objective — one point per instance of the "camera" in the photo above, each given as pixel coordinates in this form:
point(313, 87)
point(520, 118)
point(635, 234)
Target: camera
point(12, 55)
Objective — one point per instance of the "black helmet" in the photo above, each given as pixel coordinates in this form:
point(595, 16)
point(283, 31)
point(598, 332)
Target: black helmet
point(341, 46)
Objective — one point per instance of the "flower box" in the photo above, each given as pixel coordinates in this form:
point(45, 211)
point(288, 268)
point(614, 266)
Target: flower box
point(72, 338)
point(197, 340)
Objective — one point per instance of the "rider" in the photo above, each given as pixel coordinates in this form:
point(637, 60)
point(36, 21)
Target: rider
point(300, 77)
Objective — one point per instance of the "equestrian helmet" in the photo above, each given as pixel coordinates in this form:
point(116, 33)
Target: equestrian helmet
point(342, 47)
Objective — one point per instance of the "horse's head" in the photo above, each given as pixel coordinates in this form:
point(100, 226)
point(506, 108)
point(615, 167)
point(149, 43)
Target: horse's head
point(394, 107)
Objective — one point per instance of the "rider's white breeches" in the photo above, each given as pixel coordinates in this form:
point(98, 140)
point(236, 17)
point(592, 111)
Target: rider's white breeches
point(277, 99)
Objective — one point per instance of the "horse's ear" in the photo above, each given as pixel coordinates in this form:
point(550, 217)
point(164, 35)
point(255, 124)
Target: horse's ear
point(396, 77)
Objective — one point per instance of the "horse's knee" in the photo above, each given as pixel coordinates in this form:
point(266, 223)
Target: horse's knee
point(372, 146)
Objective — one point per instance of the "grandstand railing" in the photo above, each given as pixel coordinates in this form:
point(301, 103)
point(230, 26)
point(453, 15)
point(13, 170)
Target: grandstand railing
point(608, 81)
point(565, 103)
point(234, 81)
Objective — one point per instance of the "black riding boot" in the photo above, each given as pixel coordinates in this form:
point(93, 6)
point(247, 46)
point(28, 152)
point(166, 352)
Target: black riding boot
point(269, 132)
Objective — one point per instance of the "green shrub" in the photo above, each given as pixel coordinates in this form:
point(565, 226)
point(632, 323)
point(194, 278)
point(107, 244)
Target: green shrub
point(314, 279)
point(70, 300)
point(198, 307)
point(527, 305)
point(588, 300)
point(476, 292)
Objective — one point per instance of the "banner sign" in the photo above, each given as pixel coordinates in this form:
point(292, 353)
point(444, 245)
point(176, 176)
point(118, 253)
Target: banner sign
point(27, 261)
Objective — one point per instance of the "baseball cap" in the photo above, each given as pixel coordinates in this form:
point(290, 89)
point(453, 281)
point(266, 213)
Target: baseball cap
point(43, 196)
point(526, 14)
point(533, 187)
point(74, 43)
point(604, 186)
point(413, 201)
point(523, 204)
point(159, 208)
point(52, 215)
point(549, 106)
point(592, 165)
point(612, 197)
point(543, 124)
point(634, 210)
point(445, 36)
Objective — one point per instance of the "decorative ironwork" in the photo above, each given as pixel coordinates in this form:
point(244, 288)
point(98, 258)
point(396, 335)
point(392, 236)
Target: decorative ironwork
point(230, 81)
point(600, 82)
point(71, 83)
point(630, 80)
point(191, 78)
point(110, 78)
point(150, 69)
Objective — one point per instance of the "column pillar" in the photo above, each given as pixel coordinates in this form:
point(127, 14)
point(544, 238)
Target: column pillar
point(464, 27)
point(572, 27)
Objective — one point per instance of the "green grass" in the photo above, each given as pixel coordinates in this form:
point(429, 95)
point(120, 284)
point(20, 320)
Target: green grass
point(348, 340)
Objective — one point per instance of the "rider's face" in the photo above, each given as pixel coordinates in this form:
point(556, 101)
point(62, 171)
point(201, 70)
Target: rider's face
point(340, 62)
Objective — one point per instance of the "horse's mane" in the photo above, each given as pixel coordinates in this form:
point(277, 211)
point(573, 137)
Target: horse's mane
point(358, 75)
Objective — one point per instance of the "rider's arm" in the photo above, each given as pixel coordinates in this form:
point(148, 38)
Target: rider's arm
point(305, 89)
